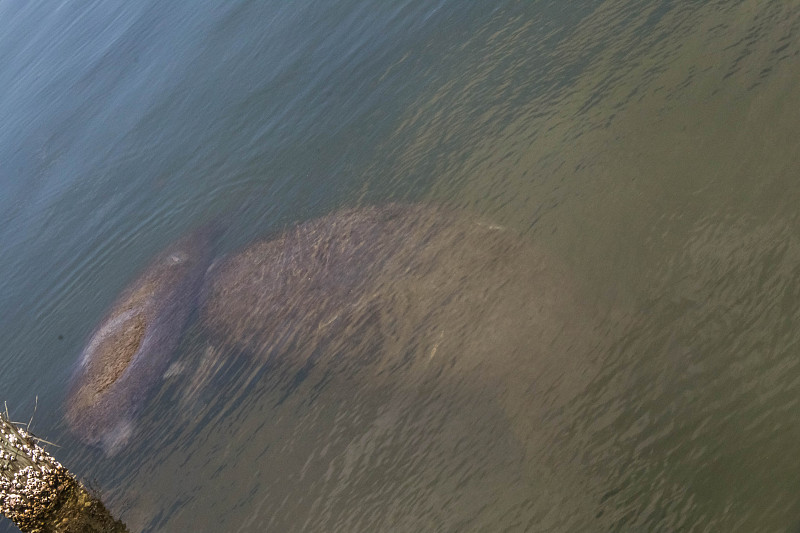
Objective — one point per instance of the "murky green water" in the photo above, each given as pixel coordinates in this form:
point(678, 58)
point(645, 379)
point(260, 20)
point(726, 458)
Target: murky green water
point(647, 151)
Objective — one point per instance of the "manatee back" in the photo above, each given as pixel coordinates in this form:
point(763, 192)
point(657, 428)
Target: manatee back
point(130, 350)
point(309, 281)
point(394, 278)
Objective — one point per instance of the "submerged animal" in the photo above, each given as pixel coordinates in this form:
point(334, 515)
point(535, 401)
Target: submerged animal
point(356, 275)
point(395, 281)
point(129, 351)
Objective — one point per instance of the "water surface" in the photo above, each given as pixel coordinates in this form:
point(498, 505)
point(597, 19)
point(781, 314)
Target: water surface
point(648, 148)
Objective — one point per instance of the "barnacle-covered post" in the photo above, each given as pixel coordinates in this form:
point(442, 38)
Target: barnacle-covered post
point(39, 495)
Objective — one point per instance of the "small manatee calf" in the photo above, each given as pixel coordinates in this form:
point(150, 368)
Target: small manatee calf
point(128, 353)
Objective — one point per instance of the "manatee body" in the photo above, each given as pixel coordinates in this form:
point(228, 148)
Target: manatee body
point(390, 282)
point(130, 350)
point(436, 328)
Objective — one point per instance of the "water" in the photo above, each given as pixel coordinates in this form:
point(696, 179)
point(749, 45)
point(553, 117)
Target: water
point(649, 149)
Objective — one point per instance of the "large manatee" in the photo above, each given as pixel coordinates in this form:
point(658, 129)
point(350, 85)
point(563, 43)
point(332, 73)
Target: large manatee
point(130, 350)
point(448, 328)
point(418, 285)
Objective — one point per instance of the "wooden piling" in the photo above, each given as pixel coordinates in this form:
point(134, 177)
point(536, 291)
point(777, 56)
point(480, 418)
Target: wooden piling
point(39, 495)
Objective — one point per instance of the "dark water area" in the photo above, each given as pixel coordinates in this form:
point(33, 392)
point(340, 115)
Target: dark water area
point(632, 366)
